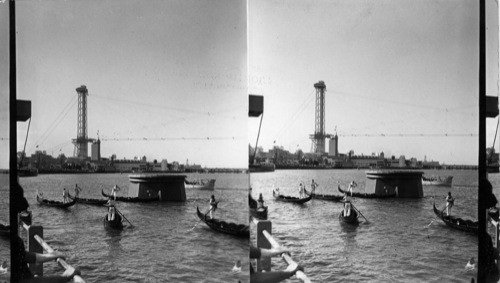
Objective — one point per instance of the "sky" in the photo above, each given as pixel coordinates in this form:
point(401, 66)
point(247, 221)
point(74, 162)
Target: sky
point(166, 79)
point(401, 76)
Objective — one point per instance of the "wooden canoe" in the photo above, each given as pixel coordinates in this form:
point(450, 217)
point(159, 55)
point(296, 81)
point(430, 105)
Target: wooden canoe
point(363, 195)
point(325, 197)
point(54, 203)
point(90, 201)
point(351, 219)
point(131, 199)
point(239, 230)
point(291, 199)
point(117, 223)
point(456, 222)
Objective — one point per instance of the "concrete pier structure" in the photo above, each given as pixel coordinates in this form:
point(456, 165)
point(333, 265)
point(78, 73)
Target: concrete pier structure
point(169, 187)
point(406, 184)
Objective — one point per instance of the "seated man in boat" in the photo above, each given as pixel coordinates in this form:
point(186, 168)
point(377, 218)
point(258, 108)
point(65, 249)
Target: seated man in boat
point(65, 195)
point(111, 209)
point(213, 206)
point(450, 201)
point(347, 204)
point(77, 190)
point(260, 202)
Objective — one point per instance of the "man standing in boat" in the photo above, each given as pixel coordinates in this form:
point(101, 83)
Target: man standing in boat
point(347, 204)
point(313, 187)
point(450, 201)
point(111, 209)
point(352, 185)
point(65, 195)
point(114, 190)
point(77, 190)
point(260, 202)
point(213, 206)
point(301, 190)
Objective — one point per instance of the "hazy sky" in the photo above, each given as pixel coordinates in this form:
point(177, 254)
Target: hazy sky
point(169, 75)
point(398, 68)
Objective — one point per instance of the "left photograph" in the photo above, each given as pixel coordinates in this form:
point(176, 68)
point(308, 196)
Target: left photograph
point(131, 159)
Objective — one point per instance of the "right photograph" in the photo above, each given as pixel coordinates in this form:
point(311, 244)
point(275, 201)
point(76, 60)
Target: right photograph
point(363, 140)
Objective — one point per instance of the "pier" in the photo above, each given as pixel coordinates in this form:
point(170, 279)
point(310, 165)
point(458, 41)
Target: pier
point(405, 184)
point(168, 187)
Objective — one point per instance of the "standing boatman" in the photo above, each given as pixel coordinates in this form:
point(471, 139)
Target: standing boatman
point(450, 201)
point(77, 190)
point(213, 206)
point(65, 195)
point(114, 190)
point(352, 185)
point(313, 186)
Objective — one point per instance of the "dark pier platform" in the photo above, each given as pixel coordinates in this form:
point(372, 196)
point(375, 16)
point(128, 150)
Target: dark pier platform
point(406, 184)
point(169, 187)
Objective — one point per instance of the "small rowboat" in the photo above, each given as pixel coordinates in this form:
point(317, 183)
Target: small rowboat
point(291, 199)
point(117, 223)
point(4, 231)
point(457, 223)
point(363, 195)
point(54, 203)
point(239, 230)
point(259, 213)
point(90, 201)
point(202, 184)
point(351, 219)
point(131, 199)
point(325, 197)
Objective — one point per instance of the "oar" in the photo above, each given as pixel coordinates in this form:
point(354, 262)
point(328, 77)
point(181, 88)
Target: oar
point(124, 217)
point(359, 212)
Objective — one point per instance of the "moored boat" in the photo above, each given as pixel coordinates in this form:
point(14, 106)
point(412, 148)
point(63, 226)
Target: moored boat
point(456, 222)
point(364, 195)
point(201, 184)
point(255, 211)
point(131, 199)
point(437, 181)
point(90, 201)
point(239, 230)
point(352, 218)
point(54, 203)
point(117, 223)
point(291, 199)
point(325, 197)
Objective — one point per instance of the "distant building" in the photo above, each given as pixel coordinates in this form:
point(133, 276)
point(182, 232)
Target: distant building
point(96, 150)
point(333, 146)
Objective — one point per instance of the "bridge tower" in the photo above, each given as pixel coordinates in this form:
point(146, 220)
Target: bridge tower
point(81, 141)
point(318, 138)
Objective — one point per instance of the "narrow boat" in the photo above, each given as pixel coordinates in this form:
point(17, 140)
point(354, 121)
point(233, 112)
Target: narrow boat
point(201, 184)
point(351, 219)
point(117, 223)
point(259, 213)
point(239, 230)
point(437, 181)
point(90, 201)
point(291, 199)
point(364, 195)
point(54, 203)
point(131, 199)
point(325, 197)
point(4, 230)
point(456, 222)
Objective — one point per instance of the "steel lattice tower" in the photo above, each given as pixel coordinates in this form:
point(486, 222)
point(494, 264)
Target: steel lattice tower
point(81, 141)
point(318, 138)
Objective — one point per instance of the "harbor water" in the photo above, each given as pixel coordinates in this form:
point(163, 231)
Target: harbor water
point(166, 243)
point(403, 240)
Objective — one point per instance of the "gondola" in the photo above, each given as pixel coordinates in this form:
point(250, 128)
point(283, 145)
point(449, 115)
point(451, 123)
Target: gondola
point(90, 201)
point(325, 197)
point(117, 223)
point(259, 213)
point(54, 203)
point(239, 230)
point(363, 195)
point(131, 199)
point(456, 222)
point(4, 231)
point(291, 199)
point(351, 219)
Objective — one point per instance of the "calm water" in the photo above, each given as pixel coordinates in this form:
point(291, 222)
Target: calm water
point(397, 245)
point(162, 245)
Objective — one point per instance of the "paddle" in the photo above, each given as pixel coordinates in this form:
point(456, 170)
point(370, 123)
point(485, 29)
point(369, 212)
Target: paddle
point(359, 212)
point(124, 217)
